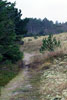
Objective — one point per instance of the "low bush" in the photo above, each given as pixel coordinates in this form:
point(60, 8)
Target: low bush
point(13, 54)
point(50, 44)
point(35, 37)
point(29, 39)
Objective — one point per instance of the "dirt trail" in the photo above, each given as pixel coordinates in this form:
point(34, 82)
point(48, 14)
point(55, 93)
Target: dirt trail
point(45, 84)
point(27, 58)
point(20, 82)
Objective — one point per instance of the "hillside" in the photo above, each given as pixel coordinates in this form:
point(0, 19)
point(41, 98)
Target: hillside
point(33, 45)
point(44, 76)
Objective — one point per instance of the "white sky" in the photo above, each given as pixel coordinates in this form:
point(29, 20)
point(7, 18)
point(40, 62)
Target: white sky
point(51, 9)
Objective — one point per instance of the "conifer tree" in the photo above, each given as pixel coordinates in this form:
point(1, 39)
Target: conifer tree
point(8, 48)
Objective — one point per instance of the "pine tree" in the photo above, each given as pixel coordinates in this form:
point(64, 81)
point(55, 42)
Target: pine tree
point(50, 44)
point(8, 48)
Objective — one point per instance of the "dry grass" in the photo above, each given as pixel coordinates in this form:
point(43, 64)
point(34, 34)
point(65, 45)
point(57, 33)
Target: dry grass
point(46, 59)
point(54, 81)
point(35, 44)
point(33, 47)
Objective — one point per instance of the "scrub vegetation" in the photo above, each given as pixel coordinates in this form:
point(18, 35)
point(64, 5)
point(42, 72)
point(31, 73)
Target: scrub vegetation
point(35, 67)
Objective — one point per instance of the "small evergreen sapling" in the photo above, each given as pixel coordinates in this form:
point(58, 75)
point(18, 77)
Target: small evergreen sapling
point(50, 44)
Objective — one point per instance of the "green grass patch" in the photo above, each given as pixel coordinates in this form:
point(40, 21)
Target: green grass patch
point(7, 72)
point(6, 76)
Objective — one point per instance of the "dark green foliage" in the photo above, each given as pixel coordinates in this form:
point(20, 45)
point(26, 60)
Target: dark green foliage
point(8, 48)
point(57, 98)
point(1, 57)
point(49, 44)
point(35, 37)
point(5, 77)
point(20, 25)
point(13, 53)
point(19, 39)
point(44, 27)
point(7, 72)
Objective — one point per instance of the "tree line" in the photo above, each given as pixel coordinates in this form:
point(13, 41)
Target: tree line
point(44, 27)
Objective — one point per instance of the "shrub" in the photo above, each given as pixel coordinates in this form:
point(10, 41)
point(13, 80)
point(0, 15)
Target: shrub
point(14, 54)
point(35, 37)
point(49, 44)
point(29, 39)
point(18, 37)
point(1, 57)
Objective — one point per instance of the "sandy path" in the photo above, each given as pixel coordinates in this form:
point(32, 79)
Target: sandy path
point(27, 58)
point(8, 91)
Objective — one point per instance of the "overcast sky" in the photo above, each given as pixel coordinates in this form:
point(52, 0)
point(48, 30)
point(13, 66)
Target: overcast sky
point(51, 9)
